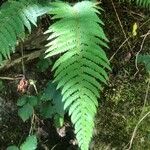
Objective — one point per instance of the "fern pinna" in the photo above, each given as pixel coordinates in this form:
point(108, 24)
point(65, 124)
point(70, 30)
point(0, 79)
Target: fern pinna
point(143, 3)
point(14, 15)
point(79, 37)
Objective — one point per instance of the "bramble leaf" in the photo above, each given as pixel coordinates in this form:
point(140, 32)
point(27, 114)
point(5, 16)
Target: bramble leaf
point(30, 143)
point(25, 112)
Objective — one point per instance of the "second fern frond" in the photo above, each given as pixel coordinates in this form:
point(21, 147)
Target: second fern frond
point(14, 15)
point(143, 3)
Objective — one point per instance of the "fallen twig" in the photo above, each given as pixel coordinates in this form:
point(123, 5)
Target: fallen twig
point(135, 129)
point(126, 39)
point(9, 63)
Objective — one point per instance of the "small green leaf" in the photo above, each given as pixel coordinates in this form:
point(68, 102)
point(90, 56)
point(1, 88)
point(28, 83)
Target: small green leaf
point(32, 100)
point(45, 97)
point(145, 59)
point(58, 120)
point(25, 112)
point(49, 92)
point(13, 147)
point(43, 65)
point(22, 101)
point(47, 110)
point(30, 143)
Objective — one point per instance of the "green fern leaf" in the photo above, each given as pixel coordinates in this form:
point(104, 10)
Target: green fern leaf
point(143, 3)
point(14, 17)
point(78, 35)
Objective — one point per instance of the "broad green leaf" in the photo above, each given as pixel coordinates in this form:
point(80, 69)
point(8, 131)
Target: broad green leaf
point(33, 100)
point(22, 101)
point(47, 110)
point(30, 143)
point(25, 112)
point(13, 148)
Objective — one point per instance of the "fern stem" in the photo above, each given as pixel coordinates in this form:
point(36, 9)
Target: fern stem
point(119, 48)
point(22, 60)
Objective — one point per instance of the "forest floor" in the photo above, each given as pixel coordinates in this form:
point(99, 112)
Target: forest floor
point(121, 102)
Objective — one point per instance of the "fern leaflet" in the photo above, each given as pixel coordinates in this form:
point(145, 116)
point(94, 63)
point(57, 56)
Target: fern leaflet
point(78, 35)
point(144, 3)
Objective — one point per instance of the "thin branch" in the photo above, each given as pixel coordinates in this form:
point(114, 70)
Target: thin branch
point(32, 123)
point(54, 146)
point(142, 118)
point(10, 63)
point(32, 82)
point(135, 129)
point(119, 48)
point(33, 114)
point(145, 23)
point(22, 60)
point(120, 24)
point(146, 96)
point(10, 78)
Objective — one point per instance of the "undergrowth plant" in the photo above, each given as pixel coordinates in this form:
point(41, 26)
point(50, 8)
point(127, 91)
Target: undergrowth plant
point(29, 144)
point(78, 38)
point(145, 59)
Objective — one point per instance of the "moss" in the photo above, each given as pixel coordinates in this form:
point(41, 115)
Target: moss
point(119, 114)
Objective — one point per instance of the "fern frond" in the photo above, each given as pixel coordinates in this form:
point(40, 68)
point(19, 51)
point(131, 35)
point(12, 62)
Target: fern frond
point(14, 17)
point(78, 35)
point(143, 3)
